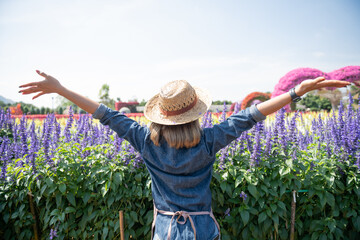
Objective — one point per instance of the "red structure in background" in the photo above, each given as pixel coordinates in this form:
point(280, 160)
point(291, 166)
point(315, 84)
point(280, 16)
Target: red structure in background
point(130, 105)
point(254, 96)
point(16, 110)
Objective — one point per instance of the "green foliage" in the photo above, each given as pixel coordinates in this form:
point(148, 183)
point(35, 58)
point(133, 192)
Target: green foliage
point(82, 197)
point(25, 107)
point(142, 103)
point(105, 97)
point(316, 103)
point(219, 102)
point(79, 198)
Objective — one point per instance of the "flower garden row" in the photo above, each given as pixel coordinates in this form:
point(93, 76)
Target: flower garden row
point(69, 179)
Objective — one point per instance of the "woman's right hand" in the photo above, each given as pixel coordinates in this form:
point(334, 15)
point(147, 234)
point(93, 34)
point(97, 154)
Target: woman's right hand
point(48, 85)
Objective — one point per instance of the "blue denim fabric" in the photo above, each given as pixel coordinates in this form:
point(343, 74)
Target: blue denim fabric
point(181, 177)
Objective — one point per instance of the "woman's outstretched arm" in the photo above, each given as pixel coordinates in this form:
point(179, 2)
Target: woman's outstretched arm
point(280, 101)
point(52, 85)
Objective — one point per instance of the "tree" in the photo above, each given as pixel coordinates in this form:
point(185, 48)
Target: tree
point(59, 110)
point(316, 103)
point(104, 96)
point(333, 96)
point(142, 103)
point(220, 102)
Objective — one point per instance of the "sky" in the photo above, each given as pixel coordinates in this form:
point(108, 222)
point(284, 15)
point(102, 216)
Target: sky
point(230, 48)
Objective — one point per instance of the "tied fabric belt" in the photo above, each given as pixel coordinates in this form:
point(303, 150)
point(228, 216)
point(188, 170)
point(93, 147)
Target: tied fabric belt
point(185, 215)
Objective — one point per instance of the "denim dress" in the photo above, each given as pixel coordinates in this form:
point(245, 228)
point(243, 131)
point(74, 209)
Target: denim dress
point(181, 177)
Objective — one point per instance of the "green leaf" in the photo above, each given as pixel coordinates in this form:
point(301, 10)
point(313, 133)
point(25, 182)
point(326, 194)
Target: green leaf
point(138, 177)
point(281, 205)
point(238, 180)
point(284, 170)
point(282, 189)
point(104, 189)
point(110, 201)
point(134, 216)
point(223, 186)
point(356, 222)
point(117, 178)
point(323, 237)
point(55, 212)
point(70, 210)
point(275, 218)
point(58, 199)
point(105, 232)
point(289, 163)
point(62, 188)
point(245, 216)
point(253, 191)
point(71, 198)
point(49, 182)
point(6, 217)
point(262, 217)
point(330, 199)
point(261, 202)
point(332, 225)
point(273, 207)
point(357, 191)
point(220, 198)
point(86, 197)
point(322, 200)
point(264, 188)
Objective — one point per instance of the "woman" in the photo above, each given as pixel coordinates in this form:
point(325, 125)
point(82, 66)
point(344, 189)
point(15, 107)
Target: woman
point(178, 154)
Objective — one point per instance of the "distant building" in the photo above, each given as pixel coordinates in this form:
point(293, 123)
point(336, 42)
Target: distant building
point(130, 105)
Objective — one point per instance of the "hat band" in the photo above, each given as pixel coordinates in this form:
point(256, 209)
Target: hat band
point(180, 111)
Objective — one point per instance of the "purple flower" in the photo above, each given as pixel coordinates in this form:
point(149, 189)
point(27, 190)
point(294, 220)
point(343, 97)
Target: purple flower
point(227, 212)
point(293, 130)
point(255, 156)
point(237, 107)
point(268, 145)
point(207, 120)
point(222, 157)
point(4, 156)
point(243, 195)
point(47, 130)
point(53, 233)
point(223, 114)
point(23, 137)
point(68, 126)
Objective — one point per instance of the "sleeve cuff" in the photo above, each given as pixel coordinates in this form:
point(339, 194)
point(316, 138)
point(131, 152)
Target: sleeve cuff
point(256, 114)
point(100, 111)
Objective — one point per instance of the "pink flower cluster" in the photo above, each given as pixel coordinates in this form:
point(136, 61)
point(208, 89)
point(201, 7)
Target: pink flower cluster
point(295, 77)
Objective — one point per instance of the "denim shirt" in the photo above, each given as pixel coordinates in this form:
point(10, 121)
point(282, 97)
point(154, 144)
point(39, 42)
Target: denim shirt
point(181, 177)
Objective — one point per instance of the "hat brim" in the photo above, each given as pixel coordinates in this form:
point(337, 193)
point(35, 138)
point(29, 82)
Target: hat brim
point(153, 113)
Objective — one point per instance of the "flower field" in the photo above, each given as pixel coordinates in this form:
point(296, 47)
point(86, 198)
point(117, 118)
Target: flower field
point(294, 175)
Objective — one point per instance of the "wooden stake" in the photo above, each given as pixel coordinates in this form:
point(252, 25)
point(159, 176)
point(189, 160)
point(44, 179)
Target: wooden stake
point(121, 221)
point(35, 225)
point(293, 208)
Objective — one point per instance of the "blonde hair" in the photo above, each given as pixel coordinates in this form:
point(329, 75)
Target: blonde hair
point(178, 136)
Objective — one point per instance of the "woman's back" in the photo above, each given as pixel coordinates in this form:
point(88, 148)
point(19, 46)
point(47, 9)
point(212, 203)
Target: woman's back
point(181, 177)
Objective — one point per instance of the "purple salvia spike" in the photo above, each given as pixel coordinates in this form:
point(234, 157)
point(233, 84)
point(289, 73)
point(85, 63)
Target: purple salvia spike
point(23, 137)
point(223, 114)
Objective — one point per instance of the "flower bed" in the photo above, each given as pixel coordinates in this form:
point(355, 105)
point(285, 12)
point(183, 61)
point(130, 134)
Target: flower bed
point(74, 179)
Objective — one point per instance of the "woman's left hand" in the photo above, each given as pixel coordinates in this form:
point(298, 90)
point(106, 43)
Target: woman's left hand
point(317, 83)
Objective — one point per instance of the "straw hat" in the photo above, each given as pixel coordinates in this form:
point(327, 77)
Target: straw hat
point(177, 103)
